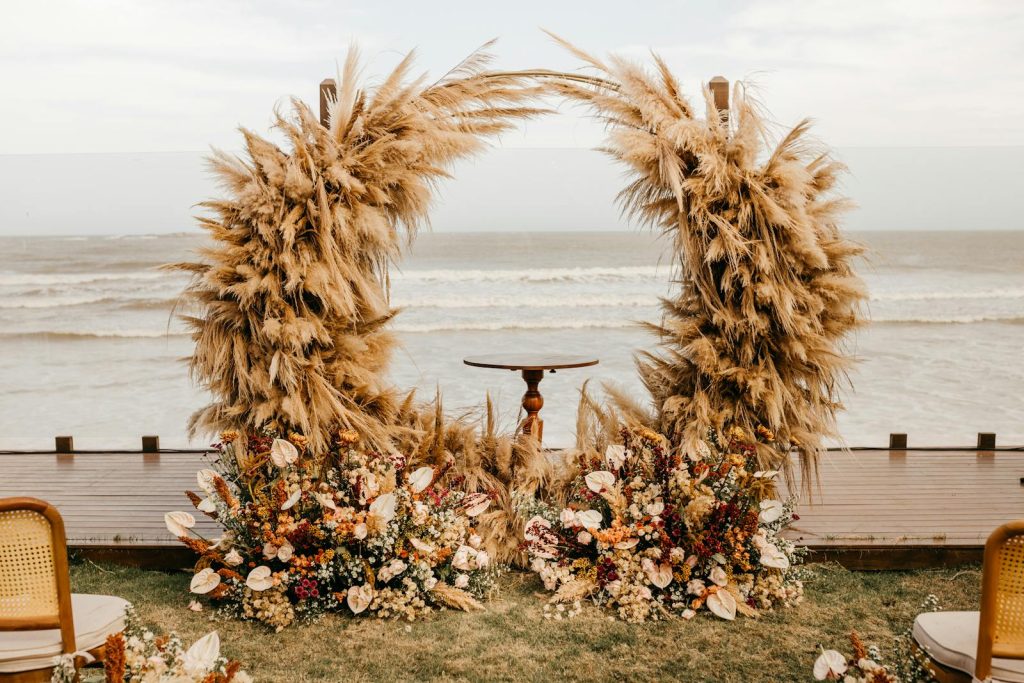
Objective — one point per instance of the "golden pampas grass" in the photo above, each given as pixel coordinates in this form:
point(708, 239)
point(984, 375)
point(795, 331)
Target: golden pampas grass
point(753, 335)
point(292, 296)
point(454, 598)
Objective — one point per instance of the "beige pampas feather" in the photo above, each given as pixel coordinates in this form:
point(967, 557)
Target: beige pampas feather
point(573, 590)
point(767, 293)
point(293, 294)
point(454, 598)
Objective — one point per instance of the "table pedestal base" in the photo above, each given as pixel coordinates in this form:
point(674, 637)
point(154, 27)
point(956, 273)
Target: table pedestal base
point(532, 403)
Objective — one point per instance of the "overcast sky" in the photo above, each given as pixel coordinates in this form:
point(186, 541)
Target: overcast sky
point(136, 76)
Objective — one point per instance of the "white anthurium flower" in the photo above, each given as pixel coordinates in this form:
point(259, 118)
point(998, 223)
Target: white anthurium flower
point(829, 665)
point(771, 510)
point(204, 581)
point(771, 556)
point(766, 474)
point(202, 656)
point(359, 598)
point(360, 531)
point(615, 456)
point(627, 544)
point(205, 479)
point(178, 523)
point(718, 576)
point(464, 558)
point(285, 552)
point(461, 581)
point(424, 548)
point(483, 560)
point(207, 505)
point(292, 500)
point(283, 453)
point(654, 509)
point(270, 550)
point(535, 522)
point(233, 559)
point(658, 574)
point(600, 481)
point(568, 518)
point(722, 604)
point(260, 579)
point(421, 478)
point(393, 569)
point(476, 503)
point(326, 500)
point(589, 519)
point(383, 507)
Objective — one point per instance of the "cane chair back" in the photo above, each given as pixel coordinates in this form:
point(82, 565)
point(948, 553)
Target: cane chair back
point(1001, 622)
point(35, 588)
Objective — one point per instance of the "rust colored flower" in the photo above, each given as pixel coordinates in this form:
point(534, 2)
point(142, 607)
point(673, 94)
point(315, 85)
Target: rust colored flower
point(348, 437)
point(229, 436)
point(113, 660)
point(224, 492)
point(231, 574)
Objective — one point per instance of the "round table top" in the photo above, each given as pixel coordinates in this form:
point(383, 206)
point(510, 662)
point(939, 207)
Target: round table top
point(530, 361)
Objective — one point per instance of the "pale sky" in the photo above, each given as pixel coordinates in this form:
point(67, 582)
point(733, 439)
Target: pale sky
point(140, 76)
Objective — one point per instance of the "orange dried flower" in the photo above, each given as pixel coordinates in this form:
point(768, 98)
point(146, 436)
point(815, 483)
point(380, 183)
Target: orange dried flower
point(348, 437)
point(859, 651)
point(230, 574)
point(197, 545)
point(113, 659)
point(765, 433)
point(229, 435)
point(224, 492)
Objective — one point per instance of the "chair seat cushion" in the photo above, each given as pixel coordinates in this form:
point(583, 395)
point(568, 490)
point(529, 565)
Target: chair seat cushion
point(96, 617)
point(951, 639)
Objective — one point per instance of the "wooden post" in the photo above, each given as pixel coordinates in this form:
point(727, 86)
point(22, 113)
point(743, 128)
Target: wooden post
point(328, 91)
point(151, 444)
point(986, 441)
point(897, 442)
point(532, 403)
point(720, 91)
point(64, 444)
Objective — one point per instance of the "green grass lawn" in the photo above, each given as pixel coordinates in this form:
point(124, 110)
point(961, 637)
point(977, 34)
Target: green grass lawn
point(513, 641)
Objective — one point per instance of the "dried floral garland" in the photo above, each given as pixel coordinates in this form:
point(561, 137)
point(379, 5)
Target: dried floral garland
point(655, 530)
point(355, 531)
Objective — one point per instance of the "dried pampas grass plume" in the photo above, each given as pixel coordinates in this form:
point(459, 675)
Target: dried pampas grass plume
point(767, 293)
point(292, 295)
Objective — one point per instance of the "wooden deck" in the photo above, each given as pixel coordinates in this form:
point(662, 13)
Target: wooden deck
point(874, 509)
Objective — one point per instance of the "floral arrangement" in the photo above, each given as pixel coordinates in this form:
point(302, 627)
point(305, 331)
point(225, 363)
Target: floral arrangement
point(138, 654)
point(352, 531)
point(652, 531)
point(908, 664)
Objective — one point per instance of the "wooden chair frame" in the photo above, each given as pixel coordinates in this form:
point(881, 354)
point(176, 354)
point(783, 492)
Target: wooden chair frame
point(990, 579)
point(64, 620)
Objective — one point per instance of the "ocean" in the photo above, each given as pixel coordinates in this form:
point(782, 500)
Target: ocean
point(88, 345)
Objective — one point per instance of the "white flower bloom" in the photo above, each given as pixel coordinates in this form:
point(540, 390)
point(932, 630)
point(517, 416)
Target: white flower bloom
point(483, 560)
point(285, 552)
point(584, 537)
point(421, 478)
point(658, 574)
point(654, 509)
point(233, 558)
point(195, 606)
point(283, 453)
point(207, 505)
point(771, 556)
point(269, 550)
point(360, 531)
point(359, 598)
point(393, 569)
point(568, 518)
point(205, 479)
point(260, 579)
point(204, 581)
point(627, 544)
point(600, 481)
point(615, 455)
point(463, 558)
point(696, 587)
point(178, 523)
point(771, 510)
point(202, 656)
point(383, 507)
point(476, 503)
point(292, 500)
point(424, 548)
point(718, 576)
point(475, 540)
point(722, 604)
point(829, 665)
point(589, 519)
point(326, 500)
point(430, 583)
point(461, 581)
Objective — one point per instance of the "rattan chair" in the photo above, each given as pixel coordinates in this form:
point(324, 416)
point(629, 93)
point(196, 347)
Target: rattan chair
point(39, 617)
point(988, 644)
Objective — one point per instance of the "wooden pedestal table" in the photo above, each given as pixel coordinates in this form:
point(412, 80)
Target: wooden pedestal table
point(533, 367)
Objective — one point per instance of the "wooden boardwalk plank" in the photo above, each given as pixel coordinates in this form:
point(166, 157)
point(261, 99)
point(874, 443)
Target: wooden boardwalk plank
point(886, 508)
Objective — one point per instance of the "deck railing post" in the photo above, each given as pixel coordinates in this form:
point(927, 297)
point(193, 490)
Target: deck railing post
point(986, 441)
point(64, 444)
point(151, 444)
point(897, 442)
point(328, 92)
point(720, 91)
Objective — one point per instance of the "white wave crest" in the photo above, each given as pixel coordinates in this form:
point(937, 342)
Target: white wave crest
point(18, 279)
point(998, 293)
point(592, 274)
